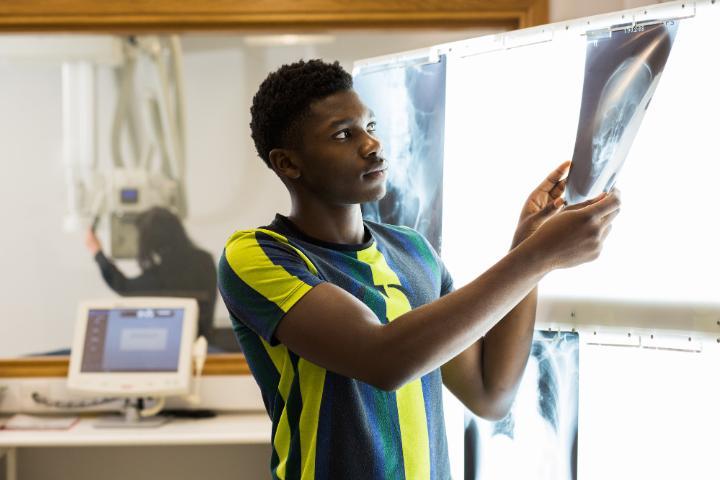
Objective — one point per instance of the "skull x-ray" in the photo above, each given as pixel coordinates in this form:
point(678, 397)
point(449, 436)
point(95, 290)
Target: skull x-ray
point(622, 71)
point(409, 105)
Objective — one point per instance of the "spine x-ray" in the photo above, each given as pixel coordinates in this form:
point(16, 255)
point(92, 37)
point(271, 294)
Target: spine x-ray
point(622, 71)
point(409, 105)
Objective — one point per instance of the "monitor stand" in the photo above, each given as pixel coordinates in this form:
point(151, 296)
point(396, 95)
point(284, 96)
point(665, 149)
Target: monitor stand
point(130, 417)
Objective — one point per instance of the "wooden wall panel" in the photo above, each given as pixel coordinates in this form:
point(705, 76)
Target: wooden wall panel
point(286, 15)
point(216, 364)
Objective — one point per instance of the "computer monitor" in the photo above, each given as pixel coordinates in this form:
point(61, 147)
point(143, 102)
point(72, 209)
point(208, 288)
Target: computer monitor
point(133, 347)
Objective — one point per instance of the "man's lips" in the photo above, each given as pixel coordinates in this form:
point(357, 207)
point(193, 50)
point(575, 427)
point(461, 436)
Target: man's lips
point(381, 167)
point(375, 174)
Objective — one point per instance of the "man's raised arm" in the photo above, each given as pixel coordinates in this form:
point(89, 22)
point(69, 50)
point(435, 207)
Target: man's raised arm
point(331, 328)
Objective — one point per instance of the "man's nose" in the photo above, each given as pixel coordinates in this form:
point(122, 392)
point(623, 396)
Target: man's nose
point(371, 146)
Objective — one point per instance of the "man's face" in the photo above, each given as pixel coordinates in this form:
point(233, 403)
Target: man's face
point(340, 159)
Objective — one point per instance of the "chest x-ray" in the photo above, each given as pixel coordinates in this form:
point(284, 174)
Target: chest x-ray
point(538, 439)
point(622, 71)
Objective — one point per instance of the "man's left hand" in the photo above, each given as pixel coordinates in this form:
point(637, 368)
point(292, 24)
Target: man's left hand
point(544, 202)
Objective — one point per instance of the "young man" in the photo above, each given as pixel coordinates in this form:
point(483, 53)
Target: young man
point(351, 328)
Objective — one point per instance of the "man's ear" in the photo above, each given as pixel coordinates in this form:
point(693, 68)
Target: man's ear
point(284, 163)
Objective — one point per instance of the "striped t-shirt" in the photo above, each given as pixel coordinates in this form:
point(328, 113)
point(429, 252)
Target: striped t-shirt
point(325, 425)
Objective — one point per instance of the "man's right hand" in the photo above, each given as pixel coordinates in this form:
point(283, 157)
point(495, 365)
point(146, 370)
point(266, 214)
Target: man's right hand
point(576, 234)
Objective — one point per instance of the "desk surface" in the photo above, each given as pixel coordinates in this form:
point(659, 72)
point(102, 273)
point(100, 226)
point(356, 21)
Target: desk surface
point(225, 429)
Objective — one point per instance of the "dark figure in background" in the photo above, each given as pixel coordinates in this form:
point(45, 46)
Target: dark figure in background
point(171, 264)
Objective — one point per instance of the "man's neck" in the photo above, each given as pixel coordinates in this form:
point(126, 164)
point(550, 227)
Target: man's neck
point(330, 223)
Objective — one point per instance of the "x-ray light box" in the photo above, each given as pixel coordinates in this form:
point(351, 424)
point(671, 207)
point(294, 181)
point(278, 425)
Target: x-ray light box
point(512, 115)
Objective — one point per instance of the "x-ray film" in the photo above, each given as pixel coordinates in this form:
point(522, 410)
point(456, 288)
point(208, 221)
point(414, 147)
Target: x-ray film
point(622, 71)
point(538, 439)
point(409, 105)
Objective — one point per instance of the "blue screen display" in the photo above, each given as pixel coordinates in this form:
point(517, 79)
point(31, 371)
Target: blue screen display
point(133, 340)
point(129, 195)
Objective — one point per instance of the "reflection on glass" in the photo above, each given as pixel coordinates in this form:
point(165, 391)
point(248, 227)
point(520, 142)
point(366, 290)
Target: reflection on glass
point(172, 266)
point(127, 145)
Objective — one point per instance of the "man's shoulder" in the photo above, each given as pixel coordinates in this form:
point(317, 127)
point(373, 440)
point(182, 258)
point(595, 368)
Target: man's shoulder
point(250, 238)
point(248, 249)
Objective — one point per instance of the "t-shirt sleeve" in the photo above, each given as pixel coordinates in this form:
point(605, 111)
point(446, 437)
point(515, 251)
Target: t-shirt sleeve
point(260, 279)
point(446, 285)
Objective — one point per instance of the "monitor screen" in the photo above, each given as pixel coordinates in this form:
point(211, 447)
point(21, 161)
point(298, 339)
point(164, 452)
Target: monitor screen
point(133, 346)
point(129, 195)
point(132, 340)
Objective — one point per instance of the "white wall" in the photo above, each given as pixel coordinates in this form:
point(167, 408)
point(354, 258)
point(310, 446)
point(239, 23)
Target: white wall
point(42, 268)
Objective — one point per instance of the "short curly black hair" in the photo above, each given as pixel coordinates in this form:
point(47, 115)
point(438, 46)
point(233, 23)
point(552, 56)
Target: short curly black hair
point(286, 95)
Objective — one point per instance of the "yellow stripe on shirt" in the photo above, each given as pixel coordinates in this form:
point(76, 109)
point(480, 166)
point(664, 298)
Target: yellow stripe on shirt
point(410, 401)
point(281, 359)
point(312, 381)
point(251, 264)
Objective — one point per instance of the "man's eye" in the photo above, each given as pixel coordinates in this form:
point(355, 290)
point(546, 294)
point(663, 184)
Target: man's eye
point(342, 135)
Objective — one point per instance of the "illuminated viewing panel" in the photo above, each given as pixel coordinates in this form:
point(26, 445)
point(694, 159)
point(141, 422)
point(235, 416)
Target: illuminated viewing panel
point(512, 116)
point(621, 379)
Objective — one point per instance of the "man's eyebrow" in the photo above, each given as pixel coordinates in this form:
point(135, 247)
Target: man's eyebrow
point(339, 123)
point(345, 121)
